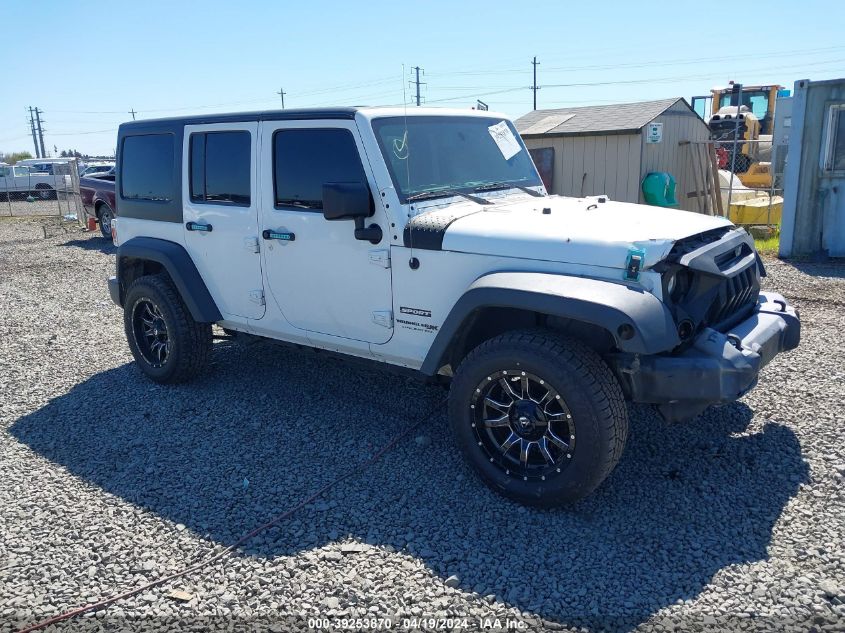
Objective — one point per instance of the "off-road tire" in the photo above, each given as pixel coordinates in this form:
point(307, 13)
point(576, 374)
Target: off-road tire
point(590, 391)
point(189, 342)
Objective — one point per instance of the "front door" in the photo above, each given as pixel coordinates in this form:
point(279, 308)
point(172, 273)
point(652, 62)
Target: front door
point(322, 279)
point(220, 201)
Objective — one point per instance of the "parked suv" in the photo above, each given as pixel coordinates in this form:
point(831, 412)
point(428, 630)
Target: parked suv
point(425, 240)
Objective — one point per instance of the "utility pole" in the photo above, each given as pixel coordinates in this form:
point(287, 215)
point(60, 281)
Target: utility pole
point(282, 94)
point(535, 87)
point(417, 82)
point(133, 113)
point(32, 128)
point(38, 114)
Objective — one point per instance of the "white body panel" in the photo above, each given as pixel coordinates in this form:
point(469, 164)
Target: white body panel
point(323, 281)
point(441, 280)
point(577, 230)
point(225, 257)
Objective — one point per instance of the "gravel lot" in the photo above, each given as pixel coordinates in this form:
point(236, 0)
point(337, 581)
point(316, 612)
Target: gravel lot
point(735, 521)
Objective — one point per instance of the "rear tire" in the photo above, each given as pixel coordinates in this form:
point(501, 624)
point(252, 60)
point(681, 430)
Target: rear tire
point(555, 405)
point(105, 215)
point(168, 345)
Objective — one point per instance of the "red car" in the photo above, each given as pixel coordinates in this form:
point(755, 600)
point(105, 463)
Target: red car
point(97, 193)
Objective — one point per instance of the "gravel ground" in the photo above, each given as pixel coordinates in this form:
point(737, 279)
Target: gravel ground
point(734, 521)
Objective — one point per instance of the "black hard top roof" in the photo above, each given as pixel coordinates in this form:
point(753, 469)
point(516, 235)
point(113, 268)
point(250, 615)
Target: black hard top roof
point(261, 115)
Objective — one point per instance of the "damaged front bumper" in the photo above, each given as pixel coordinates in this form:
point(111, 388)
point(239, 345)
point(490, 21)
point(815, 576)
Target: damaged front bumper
point(717, 368)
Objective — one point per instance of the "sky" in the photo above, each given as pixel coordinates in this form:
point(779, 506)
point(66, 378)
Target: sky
point(86, 65)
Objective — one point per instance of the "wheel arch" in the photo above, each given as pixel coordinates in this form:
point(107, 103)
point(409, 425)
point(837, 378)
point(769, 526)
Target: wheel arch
point(591, 310)
point(148, 256)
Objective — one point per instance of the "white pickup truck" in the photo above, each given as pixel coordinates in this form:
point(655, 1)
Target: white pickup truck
point(21, 181)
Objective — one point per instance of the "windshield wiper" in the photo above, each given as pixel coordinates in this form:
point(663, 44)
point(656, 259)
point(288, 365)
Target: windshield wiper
point(445, 193)
point(496, 186)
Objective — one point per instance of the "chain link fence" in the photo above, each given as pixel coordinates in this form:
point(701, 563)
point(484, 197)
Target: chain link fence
point(41, 189)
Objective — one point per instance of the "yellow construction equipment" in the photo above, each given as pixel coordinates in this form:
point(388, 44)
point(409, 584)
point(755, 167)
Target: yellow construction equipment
point(748, 206)
point(760, 101)
point(744, 113)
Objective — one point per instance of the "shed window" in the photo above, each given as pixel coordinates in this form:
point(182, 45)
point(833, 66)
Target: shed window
point(835, 154)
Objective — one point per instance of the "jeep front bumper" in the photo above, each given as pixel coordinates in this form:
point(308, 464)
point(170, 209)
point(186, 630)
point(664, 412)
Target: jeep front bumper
point(717, 368)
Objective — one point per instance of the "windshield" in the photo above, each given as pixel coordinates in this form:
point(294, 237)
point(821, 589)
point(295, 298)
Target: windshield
point(453, 154)
point(756, 100)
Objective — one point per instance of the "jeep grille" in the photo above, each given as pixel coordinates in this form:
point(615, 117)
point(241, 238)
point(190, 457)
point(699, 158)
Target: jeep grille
point(735, 296)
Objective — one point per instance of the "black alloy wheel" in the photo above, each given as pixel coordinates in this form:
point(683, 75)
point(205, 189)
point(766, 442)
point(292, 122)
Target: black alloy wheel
point(150, 331)
point(523, 424)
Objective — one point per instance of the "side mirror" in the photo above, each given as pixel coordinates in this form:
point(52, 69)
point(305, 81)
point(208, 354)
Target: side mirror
point(351, 201)
point(346, 200)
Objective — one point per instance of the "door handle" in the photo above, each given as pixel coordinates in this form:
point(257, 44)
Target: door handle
point(284, 236)
point(196, 226)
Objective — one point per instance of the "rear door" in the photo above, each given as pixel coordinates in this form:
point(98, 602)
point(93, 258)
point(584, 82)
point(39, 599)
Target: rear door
point(220, 199)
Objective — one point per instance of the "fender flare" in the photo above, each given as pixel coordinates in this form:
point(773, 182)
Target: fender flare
point(178, 263)
point(605, 304)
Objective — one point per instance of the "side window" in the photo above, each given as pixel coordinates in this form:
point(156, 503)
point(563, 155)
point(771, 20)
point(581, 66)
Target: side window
point(147, 168)
point(220, 167)
point(303, 160)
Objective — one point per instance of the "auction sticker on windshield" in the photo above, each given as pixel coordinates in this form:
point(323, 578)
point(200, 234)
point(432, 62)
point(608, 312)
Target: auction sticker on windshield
point(505, 139)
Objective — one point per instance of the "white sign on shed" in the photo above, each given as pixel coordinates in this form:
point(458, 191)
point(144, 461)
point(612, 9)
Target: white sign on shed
point(654, 133)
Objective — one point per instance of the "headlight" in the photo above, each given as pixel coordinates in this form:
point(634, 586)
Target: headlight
point(670, 285)
point(678, 284)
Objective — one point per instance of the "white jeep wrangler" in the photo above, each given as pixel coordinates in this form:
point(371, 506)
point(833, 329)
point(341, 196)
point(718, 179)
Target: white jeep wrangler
point(425, 240)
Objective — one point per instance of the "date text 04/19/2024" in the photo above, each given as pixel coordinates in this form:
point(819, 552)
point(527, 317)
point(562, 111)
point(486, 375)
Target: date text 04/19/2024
point(417, 623)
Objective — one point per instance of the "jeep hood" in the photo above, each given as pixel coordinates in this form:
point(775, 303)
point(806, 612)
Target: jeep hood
point(573, 230)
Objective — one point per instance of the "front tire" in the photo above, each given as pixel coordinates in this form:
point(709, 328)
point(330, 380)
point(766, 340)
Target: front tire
point(45, 192)
point(168, 345)
point(540, 417)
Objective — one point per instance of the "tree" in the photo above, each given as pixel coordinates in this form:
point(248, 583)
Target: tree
point(14, 157)
point(63, 154)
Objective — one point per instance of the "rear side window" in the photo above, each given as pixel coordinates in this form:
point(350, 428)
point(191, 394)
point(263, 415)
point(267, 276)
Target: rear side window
point(147, 168)
point(220, 167)
point(303, 160)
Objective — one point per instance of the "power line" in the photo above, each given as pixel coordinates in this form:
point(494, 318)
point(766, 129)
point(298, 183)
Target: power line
point(133, 113)
point(114, 129)
point(282, 94)
point(604, 54)
point(535, 87)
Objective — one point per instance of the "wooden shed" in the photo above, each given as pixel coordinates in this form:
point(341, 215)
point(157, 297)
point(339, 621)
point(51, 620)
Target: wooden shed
point(609, 149)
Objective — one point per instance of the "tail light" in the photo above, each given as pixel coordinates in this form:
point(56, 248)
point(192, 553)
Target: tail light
point(114, 231)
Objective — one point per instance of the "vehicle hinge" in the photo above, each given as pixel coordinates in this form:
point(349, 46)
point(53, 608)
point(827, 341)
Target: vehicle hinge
point(257, 297)
point(251, 244)
point(383, 318)
point(380, 258)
